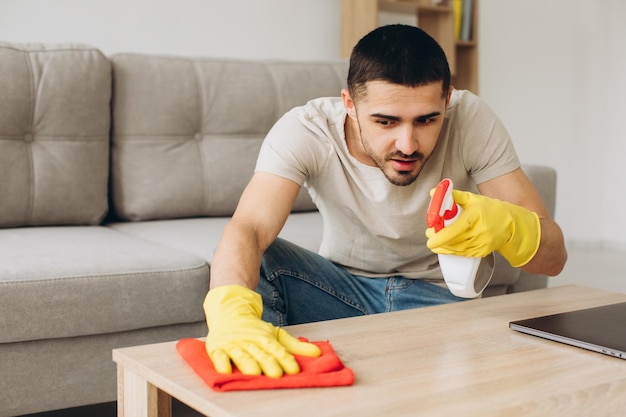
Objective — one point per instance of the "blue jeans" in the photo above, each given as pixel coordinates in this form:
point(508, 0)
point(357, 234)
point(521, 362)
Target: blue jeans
point(300, 286)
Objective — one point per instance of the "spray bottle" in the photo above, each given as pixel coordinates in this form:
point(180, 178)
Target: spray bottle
point(465, 276)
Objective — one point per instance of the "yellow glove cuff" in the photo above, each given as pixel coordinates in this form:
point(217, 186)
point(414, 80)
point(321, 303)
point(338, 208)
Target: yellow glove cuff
point(229, 298)
point(525, 239)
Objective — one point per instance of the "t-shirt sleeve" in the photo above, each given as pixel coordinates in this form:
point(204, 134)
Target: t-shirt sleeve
point(294, 149)
point(487, 149)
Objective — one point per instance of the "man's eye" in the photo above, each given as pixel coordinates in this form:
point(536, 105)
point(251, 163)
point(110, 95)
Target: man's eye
point(425, 120)
point(384, 122)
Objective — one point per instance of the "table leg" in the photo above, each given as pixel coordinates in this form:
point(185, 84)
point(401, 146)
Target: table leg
point(136, 397)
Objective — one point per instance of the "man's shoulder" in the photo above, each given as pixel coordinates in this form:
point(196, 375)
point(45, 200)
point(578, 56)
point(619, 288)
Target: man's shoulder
point(330, 108)
point(465, 105)
point(463, 99)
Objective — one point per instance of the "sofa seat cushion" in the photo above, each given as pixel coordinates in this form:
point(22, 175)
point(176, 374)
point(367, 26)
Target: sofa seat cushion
point(54, 134)
point(200, 236)
point(83, 280)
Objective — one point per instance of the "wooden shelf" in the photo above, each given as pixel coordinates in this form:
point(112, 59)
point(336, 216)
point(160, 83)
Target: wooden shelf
point(359, 17)
point(466, 44)
point(407, 6)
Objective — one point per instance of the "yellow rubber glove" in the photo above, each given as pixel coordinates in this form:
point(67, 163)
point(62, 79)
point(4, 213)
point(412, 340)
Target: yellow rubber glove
point(487, 225)
point(237, 333)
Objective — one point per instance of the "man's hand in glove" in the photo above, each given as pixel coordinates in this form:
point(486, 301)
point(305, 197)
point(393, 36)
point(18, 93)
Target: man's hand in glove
point(237, 334)
point(488, 225)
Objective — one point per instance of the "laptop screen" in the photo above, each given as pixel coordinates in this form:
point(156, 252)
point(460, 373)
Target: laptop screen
point(601, 329)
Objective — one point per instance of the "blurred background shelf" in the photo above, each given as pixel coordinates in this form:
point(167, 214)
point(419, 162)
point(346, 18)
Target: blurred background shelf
point(358, 17)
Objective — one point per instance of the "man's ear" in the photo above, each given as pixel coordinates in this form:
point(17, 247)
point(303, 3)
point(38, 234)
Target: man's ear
point(450, 90)
point(348, 103)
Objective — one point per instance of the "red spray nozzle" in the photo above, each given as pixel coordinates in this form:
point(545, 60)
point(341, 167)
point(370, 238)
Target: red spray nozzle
point(442, 206)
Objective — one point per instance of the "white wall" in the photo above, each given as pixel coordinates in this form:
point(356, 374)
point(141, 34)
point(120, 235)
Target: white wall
point(294, 29)
point(551, 69)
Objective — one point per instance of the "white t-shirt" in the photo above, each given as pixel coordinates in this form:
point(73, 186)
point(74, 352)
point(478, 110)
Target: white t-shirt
point(372, 227)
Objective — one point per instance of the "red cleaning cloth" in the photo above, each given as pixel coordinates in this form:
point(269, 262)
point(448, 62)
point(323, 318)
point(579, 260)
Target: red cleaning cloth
point(327, 370)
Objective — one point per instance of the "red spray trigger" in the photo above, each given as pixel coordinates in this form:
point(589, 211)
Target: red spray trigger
point(442, 206)
point(465, 276)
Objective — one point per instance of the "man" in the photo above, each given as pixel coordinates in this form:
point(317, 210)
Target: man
point(369, 160)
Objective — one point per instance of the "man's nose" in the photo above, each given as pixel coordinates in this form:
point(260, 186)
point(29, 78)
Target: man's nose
point(407, 142)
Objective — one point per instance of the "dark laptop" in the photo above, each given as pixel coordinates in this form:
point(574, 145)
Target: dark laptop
point(601, 329)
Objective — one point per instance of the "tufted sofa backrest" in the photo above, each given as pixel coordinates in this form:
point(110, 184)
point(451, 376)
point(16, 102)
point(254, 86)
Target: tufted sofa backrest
point(187, 131)
point(54, 134)
point(142, 136)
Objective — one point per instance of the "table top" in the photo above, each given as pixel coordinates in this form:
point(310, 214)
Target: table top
point(454, 359)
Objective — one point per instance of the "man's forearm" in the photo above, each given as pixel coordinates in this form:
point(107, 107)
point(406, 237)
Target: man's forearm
point(237, 259)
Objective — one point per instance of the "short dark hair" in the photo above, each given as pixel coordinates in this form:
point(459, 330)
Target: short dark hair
point(400, 54)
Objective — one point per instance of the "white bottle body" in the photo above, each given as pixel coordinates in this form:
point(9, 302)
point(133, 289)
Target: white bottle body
point(465, 277)
point(459, 273)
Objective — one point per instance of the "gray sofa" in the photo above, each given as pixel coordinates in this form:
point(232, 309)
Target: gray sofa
point(117, 175)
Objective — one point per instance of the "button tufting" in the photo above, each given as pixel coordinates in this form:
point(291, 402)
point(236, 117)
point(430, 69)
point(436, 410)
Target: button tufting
point(198, 136)
point(28, 138)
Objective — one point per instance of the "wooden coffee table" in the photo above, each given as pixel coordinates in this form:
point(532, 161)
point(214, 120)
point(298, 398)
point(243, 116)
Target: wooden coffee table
point(452, 360)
